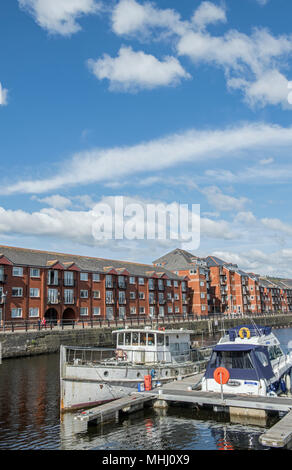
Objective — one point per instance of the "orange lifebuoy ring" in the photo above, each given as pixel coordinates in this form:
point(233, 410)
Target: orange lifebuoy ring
point(221, 375)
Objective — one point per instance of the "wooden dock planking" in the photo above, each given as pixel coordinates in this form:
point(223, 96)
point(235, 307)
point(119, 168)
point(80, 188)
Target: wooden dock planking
point(229, 400)
point(110, 411)
point(280, 434)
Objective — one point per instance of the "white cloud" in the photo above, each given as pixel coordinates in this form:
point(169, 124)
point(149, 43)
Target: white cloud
point(56, 201)
point(3, 95)
point(223, 202)
point(131, 71)
point(104, 165)
point(59, 16)
point(208, 13)
point(130, 17)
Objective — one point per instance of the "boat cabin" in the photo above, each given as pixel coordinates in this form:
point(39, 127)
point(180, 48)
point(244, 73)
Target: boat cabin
point(142, 346)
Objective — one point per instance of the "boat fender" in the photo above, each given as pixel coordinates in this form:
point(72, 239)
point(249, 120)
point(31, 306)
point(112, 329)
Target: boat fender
point(283, 385)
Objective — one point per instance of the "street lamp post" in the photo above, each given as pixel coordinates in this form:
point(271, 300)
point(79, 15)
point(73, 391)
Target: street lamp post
point(3, 302)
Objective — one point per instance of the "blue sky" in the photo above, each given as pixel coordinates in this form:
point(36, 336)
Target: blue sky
point(160, 102)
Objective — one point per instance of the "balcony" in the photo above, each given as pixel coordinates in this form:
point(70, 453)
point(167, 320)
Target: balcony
point(69, 300)
point(69, 282)
point(53, 301)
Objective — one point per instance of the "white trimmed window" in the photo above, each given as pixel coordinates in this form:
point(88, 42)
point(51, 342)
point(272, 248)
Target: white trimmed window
point(202, 295)
point(96, 294)
point(176, 297)
point(83, 276)
point(169, 309)
point(176, 309)
point(141, 281)
point(203, 308)
point(151, 311)
point(132, 295)
point(16, 312)
point(202, 283)
point(133, 310)
point(34, 292)
point(168, 283)
point(84, 294)
point(132, 280)
point(17, 291)
point(34, 272)
point(34, 312)
point(17, 271)
point(83, 311)
point(141, 310)
point(96, 277)
point(141, 295)
point(175, 284)
point(96, 311)
point(122, 312)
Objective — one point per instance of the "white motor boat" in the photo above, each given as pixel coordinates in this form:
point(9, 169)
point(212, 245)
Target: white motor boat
point(249, 360)
point(92, 376)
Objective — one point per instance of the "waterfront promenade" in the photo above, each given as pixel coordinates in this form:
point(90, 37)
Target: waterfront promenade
point(31, 338)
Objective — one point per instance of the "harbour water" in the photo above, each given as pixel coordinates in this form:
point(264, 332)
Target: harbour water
point(30, 419)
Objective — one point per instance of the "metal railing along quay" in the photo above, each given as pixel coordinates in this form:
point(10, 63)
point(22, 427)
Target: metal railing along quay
point(29, 325)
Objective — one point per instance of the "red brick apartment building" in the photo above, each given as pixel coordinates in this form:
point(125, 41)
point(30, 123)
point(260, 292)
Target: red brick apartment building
point(227, 288)
point(38, 284)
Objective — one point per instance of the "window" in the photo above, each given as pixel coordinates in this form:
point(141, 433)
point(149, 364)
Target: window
point(17, 271)
point(122, 297)
point(96, 311)
point(203, 308)
point(68, 278)
point(53, 296)
point(96, 277)
point(168, 283)
point(160, 340)
point(161, 311)
point(132, 280)
point(141, 295)
point(83, 276)
point(169, 309)
point(17, 291)
point(83, 311)
point(142, 310)
point(231, 360)
point(108, 281)
point(68, 296)
point(122, 312)
point(176, 309)
point(132, 295)
point(84, 294)
point(109, 313)
point(151, 298)
point(160, 284)
point(152, 311)
point(34, 312)
point(34, 292)
point(141, 281)
point(202, 295)
point(121, 282)
point(176, 297)
point(34, 272)
point(133, 310)
point(175, 284)
point(16, 312)
point(168, 295)
point(151, 339)
point(109, 297)
point(96, 294)
point(53, 277)
point(151, 284)
point(202, 283)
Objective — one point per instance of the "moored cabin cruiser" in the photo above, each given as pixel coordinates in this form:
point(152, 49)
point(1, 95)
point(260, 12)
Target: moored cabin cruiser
point(91, 376)
point(253, 363)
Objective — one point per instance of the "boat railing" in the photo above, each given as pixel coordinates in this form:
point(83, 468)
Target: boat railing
point(86, 356)
point(94, 356)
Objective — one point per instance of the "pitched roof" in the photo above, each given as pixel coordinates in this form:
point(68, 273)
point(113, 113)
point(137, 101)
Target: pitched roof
point(38, 258)
point(178, 259)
